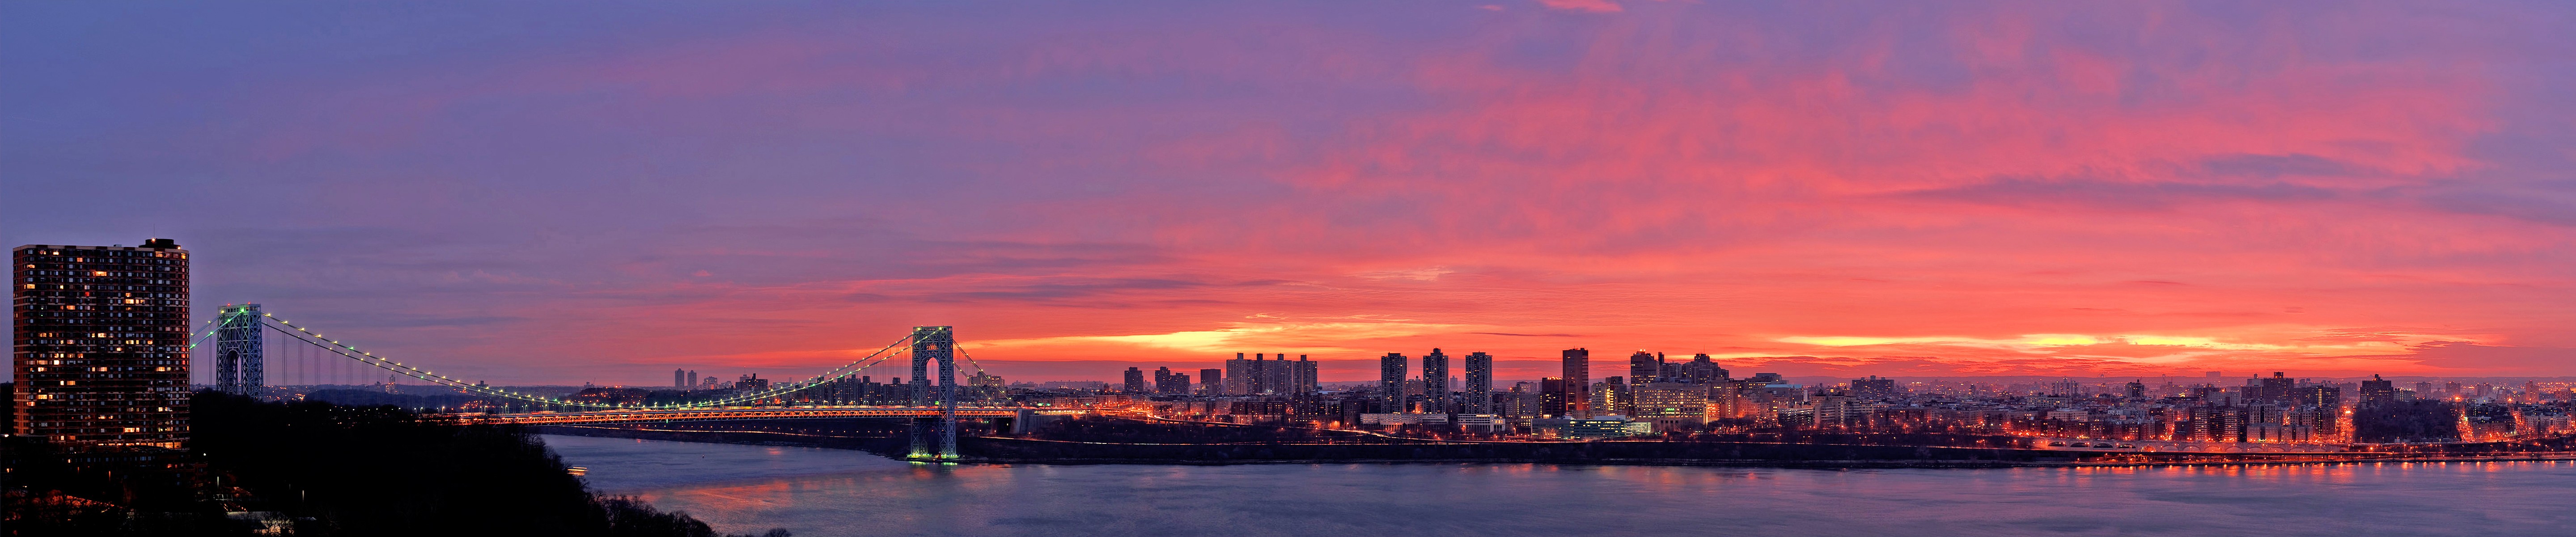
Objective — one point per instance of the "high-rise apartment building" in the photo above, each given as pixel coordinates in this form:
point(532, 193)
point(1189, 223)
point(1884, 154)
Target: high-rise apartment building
point(1435, 382)
point(101, 347)
point(2279, 389)
point(1480, 384)
point(1135, 384)
point(679, 378)
point(1578, 383)
point(2378, 391)
point(1211, 382)
point(1700, 370)
point(1301, 376)
point(1390, 382)
point(1262, 375)
point(692, 380)
point(1644, 367)
point(1168, 383)
point(1874, 389)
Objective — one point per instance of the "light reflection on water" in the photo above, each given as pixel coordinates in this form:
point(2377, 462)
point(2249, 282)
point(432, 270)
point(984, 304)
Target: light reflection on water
point(823, 493)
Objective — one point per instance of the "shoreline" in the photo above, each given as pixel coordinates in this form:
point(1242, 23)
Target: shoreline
point(862, 444)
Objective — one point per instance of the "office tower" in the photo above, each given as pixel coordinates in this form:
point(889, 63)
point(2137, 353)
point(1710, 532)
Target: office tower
point(1578, 383)
point(1480, 383)
point(1435, 382)
point(2378, 391)
point(101, 350)
point(1135, 381)
point(679, 378)
point(1390, 382)
point(1874, 389)
point(2137, 390)
point(1212, 382)
point(1301, 377)
point(1644, 367)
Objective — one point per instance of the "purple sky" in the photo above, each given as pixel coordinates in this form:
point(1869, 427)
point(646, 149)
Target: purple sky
point(591, 191)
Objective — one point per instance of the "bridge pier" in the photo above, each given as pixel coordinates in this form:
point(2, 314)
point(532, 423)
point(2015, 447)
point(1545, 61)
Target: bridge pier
point(934, 343)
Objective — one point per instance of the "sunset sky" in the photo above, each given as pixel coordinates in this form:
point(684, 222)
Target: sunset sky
point(560, 192)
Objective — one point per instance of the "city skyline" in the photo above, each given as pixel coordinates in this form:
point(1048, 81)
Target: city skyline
point(1987, 188)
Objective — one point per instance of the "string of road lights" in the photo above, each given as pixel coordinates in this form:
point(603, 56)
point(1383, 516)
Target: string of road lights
point(347, 351)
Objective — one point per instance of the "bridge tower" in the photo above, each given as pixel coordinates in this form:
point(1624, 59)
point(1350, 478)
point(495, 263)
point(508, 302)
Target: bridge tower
point(940, 343)
point(240, 351)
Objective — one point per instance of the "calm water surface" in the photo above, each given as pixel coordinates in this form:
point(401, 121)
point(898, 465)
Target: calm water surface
point(823, 493)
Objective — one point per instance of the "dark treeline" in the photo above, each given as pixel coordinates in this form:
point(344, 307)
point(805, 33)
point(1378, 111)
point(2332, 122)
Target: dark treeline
point(328, 470)
point(2407, 421)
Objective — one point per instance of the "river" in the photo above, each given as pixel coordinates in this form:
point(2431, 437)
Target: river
point(817, 492)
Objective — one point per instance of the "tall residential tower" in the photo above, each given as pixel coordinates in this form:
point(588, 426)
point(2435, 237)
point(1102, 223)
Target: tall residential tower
point(101, 350)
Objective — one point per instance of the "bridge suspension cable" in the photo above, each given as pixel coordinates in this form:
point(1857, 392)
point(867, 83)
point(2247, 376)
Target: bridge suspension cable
point(299, 333)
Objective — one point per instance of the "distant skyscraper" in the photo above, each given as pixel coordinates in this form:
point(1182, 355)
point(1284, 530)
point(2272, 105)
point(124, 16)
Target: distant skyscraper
point(101, 351)
point(1578, 382)
point(1135, 381)
point(1390, 382)
point(1435, 382)
point(1212, 381)
point(693, 380)
point(1644, 367)
point(679, 378)
point(1480, 383)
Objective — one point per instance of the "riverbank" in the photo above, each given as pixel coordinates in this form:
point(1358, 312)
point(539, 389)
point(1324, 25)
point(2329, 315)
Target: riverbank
point(1003, 450)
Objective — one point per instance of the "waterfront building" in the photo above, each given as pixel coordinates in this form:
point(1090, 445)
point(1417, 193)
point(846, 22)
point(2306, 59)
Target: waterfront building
point(1577, 382)
point(1480, 384)
point(1553, 397)
point(1673, 401)
point(1435, 382)
point(1612, 426)
point(1390, 382)
point(100, 349)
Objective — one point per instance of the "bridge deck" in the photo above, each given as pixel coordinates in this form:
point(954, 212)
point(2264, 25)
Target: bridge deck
point(722, 414)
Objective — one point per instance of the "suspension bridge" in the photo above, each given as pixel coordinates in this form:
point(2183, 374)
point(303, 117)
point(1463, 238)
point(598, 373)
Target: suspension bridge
point(242, 334)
